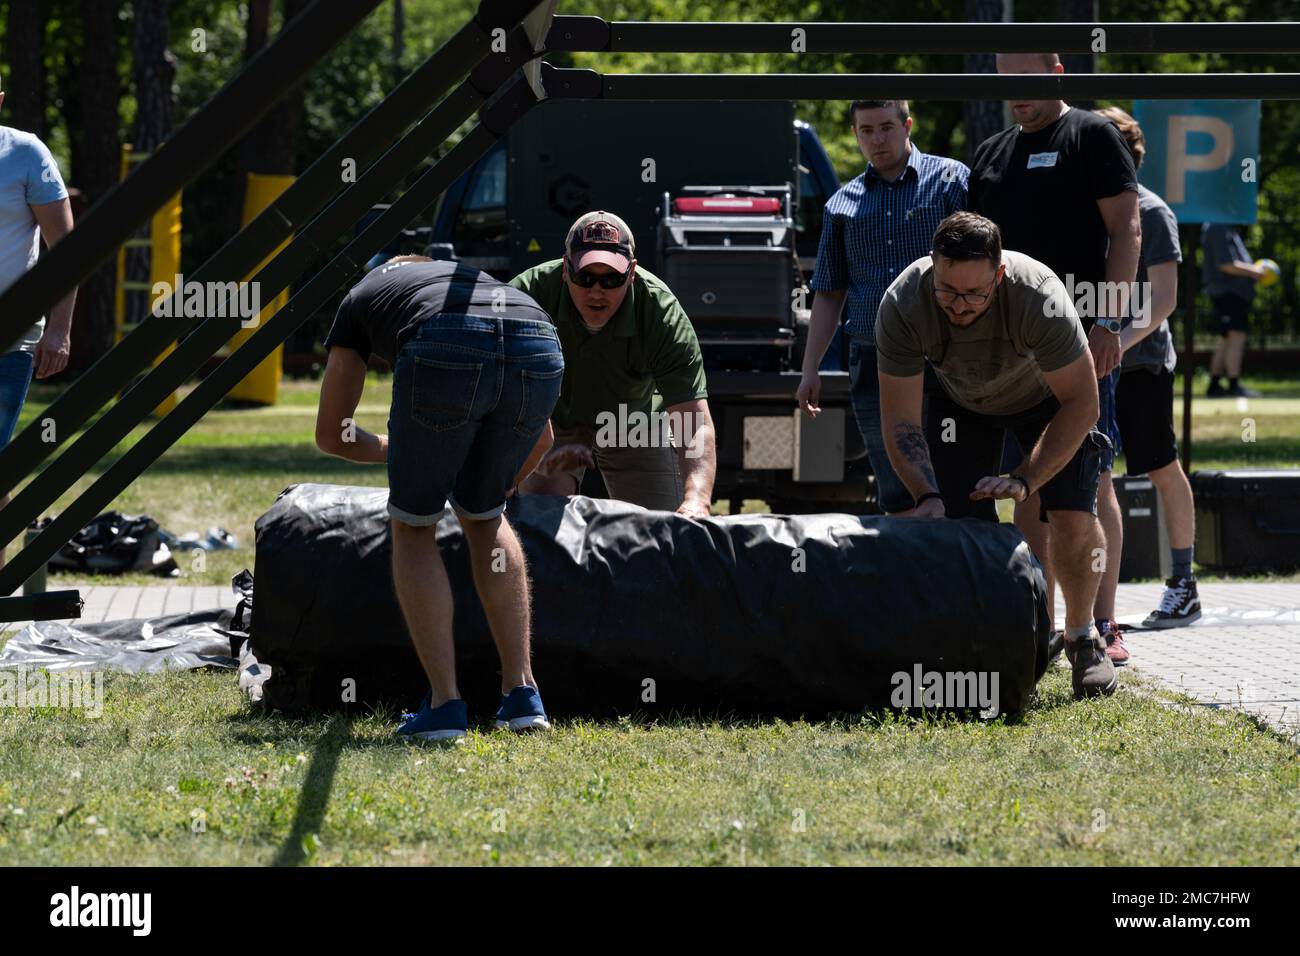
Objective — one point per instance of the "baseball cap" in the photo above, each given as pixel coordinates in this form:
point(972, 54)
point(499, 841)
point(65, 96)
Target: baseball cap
point(599, 236)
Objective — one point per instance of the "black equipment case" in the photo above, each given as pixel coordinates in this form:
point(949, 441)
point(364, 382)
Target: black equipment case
point(1146, 541)
point(1248, 521)
point(728, 253)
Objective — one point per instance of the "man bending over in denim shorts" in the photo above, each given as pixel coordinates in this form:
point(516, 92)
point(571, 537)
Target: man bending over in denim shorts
point(476, 371)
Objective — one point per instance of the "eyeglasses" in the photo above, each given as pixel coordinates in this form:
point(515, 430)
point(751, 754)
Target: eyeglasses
point(606, 280)
point(945, 297)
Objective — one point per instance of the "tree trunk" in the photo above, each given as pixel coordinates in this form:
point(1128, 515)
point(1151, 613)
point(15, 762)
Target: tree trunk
point(98, 164)
point(272, 145)
point(25, 82)
point(153, 69)
point(1078, 11)
point(983, 118)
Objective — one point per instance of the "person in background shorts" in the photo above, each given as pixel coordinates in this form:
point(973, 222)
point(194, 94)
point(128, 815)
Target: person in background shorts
point(476, 371)
point(1144, 395)
point(1062, 187)
point(1229, 276)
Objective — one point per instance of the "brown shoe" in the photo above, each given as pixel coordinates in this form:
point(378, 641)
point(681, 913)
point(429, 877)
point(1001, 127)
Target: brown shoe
point(1094, 674)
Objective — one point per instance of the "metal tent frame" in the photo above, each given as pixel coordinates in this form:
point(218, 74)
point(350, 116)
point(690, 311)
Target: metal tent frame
point(497, 57)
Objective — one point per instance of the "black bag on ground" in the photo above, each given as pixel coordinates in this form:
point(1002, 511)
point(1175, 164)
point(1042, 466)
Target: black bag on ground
point(651, 612)
point(114, 543)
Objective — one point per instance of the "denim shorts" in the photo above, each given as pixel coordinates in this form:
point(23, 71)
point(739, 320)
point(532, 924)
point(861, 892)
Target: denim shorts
point(1107, 423)
point(471, 396)
point(15, 376)
point(891, 494)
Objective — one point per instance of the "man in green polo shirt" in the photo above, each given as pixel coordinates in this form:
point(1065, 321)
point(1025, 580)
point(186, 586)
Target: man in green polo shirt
point(624, 336)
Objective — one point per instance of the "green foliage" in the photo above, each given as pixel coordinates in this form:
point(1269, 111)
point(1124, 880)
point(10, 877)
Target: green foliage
point(356, 75)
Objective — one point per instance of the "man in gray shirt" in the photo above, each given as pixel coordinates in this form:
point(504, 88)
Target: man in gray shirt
point(1229, 276)
point(33, 203)
point(1144, 395)
point(1009, 355)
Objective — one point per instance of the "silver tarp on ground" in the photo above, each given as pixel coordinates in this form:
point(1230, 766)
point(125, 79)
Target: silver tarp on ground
point(138, 645)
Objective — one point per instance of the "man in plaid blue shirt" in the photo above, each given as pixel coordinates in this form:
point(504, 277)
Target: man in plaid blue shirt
point(875, 226)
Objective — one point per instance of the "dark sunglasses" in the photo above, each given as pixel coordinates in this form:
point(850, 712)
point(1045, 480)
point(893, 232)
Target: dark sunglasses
point(606, 280)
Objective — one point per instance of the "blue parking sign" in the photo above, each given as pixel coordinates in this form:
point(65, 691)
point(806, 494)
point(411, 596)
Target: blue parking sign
point(1202, 157)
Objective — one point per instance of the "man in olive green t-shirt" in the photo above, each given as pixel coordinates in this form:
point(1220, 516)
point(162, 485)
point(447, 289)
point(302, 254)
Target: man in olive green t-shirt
point(624, 336)
point(1009, 355)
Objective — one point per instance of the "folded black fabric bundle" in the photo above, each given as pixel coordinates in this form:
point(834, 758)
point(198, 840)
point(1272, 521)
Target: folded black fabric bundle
point(646, 612)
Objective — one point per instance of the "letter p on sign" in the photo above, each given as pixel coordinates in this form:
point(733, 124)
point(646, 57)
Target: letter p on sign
point(1196, 151)
point(1179, 162)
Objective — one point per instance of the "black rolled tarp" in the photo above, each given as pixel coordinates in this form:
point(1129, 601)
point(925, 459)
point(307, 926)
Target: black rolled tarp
point(647, 612)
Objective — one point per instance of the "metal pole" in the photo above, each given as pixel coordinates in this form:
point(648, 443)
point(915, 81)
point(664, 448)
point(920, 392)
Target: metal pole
point(1188, 361)
point(213, 388)
point(575, 34)
point(207, 134)
point(946, 86)
point(308, 194)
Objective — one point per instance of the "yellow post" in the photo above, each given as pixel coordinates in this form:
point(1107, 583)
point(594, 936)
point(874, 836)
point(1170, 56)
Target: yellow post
point(262, 384)
point(165, 265)
point(164, 244)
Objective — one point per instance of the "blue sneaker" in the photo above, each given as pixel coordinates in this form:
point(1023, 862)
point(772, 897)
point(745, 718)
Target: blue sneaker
point(448, 722)
point(521, 709)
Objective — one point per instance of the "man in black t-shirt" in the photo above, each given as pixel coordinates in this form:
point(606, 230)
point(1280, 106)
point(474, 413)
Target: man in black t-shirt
point(1062, 187)
point(476, 371)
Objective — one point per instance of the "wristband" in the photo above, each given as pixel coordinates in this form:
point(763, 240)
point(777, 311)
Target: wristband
point(1021, 479)
point(927, 496)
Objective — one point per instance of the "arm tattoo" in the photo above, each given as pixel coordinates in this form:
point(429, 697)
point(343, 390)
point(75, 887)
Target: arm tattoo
point(911, 444)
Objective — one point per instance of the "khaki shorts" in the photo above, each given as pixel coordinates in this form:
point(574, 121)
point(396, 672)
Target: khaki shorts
point(643, 476)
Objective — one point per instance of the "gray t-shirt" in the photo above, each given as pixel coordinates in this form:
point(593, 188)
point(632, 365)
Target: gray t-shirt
point(28, 177)
point(1159, 245)
point(1222, 245)
point(995, 365)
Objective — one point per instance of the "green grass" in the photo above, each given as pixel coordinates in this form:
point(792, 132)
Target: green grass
point(179, 771)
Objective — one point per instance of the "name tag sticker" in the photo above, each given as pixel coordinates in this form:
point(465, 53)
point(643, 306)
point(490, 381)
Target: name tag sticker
point(1041, 160)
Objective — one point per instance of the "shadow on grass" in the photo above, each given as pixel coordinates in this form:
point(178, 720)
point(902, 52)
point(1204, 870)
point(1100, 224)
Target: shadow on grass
point(315, 794)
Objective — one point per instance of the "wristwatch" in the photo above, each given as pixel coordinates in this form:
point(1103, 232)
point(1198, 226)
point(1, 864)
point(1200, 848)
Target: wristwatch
point(1110, 325)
